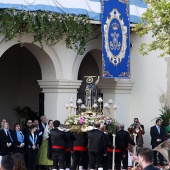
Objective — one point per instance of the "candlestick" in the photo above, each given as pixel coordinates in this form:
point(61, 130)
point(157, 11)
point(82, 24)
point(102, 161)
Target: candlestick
point(113, 157)
point(134, 152)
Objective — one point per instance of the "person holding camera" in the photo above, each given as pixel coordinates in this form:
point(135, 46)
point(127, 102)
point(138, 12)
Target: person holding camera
point(138, 129)
point(136, 121)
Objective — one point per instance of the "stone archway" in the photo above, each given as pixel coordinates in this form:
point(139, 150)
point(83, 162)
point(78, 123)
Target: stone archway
point(19, 72)
point(92, 70)
point(47, 58)
point(21, 68)
point(92, 47)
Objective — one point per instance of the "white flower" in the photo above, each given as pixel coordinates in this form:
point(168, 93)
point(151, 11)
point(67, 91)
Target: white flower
point(71, 99)
point(75, 122)
point(79, 101)
point(110, 101)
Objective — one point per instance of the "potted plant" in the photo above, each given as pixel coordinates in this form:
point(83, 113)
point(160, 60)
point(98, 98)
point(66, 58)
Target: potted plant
point(25, 113)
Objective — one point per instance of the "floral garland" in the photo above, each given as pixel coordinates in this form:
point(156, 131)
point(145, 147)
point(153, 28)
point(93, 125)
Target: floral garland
point(78, 122)
point(47, 26)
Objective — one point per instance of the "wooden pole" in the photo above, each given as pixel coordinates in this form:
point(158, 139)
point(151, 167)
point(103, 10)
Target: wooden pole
point(113, 157)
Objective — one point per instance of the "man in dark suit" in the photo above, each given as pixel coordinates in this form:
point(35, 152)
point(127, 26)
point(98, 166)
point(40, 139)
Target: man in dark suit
point(80, 152)
point(6, 140)
point(144, 159)
point(43, 123)
point(157, 137)
point(57, 140)
point(26, 129)
point(39, 131)
point(96, 147)
point(122, 141)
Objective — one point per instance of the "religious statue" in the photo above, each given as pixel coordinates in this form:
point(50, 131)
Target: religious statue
point(91, 88)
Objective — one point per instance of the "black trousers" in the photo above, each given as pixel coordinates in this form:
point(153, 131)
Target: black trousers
point(109, 157)
point(121, 157)
point(80, 158)
point(160, 157)
point(68, 159)
point(5, 150)
point(58, 156)
point(31, 156)
point(18, 150)
point(95, 159)
point(105, 162)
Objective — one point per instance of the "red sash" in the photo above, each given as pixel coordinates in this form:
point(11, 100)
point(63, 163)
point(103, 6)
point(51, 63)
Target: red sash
point(57, 147)
point(79, 148)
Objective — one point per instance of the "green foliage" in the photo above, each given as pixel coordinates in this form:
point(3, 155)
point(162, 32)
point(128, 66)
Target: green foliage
point(165, 115)
point(24, 114)
point(157, 20)
point(47, 27)
point(111, 128)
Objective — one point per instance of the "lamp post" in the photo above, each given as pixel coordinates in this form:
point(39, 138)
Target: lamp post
point(111, 109)
point(70, 106)
point(79, 102)
point(100, 100)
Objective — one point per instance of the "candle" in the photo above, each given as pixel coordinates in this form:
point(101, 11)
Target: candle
point(134, 152)
point(113, 157)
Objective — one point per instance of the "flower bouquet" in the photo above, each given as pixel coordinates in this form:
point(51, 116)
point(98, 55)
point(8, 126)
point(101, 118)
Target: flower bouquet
point(84, 122)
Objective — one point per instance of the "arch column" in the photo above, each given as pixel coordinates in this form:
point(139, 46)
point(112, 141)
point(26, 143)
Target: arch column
point(56, 94)
point(167, 59)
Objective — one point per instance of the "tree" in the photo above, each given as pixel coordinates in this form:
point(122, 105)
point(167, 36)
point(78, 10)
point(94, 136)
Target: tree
point(157, 20)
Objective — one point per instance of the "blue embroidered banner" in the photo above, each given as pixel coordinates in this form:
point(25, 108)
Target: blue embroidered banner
point(115, 39)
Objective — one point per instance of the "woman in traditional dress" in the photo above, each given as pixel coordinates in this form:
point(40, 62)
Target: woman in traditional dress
point(42, 158)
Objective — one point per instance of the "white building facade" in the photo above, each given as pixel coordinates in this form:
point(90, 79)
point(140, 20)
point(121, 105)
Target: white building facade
point(26, 71)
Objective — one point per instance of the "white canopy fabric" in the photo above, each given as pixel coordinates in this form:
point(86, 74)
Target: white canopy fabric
point(91, 8)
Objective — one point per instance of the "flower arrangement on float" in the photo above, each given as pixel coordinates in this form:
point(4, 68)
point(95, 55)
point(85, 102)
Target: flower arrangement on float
point(85, 118)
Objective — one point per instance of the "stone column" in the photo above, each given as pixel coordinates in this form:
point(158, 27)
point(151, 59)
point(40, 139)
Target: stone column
point(120, 92)
point(56, 94)
point(167, 95)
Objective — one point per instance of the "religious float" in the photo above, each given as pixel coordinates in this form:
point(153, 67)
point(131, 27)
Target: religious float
point(91, 111)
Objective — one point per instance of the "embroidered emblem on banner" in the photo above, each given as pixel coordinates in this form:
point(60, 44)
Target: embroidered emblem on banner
point(115, 34)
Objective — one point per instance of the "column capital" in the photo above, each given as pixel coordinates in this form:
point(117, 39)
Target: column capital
point(123, 86)
point(59, 86)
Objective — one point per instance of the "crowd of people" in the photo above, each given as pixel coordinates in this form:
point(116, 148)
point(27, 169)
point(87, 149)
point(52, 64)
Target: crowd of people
point(51, 145)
